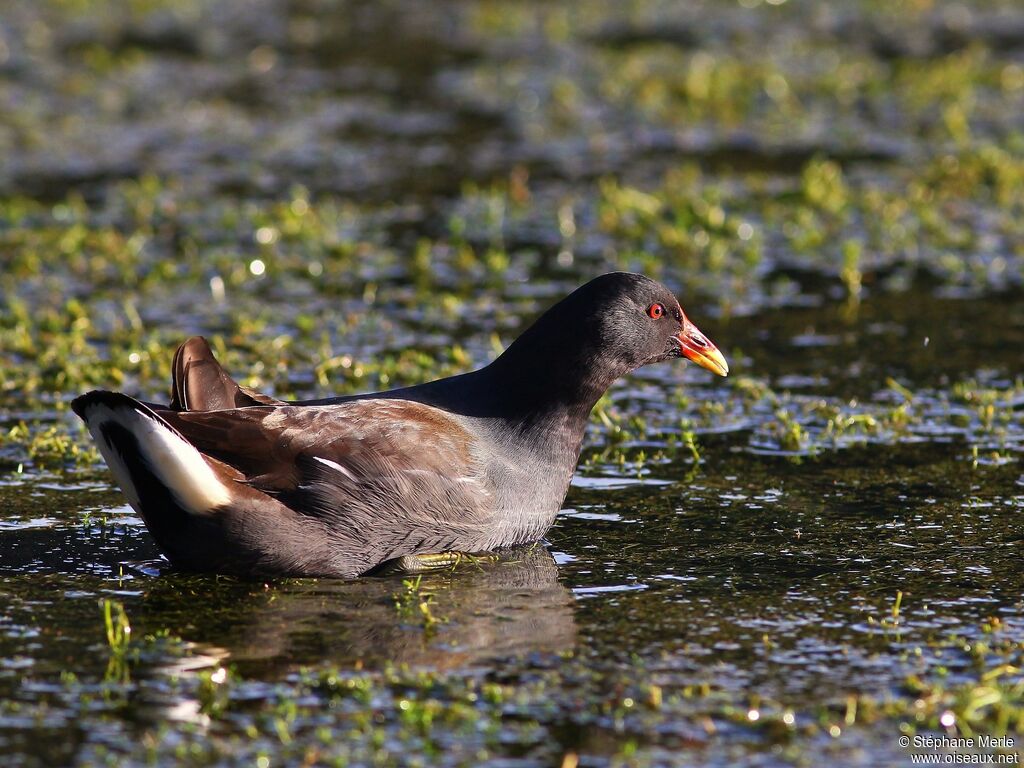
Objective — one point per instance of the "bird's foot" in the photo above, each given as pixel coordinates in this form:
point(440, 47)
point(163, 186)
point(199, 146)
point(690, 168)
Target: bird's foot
point(440, 561)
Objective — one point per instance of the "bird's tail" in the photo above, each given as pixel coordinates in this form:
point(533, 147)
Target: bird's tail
point(165, 478)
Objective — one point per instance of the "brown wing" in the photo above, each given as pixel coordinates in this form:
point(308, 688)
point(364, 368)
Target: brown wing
point(375, 467)
point(200, 383)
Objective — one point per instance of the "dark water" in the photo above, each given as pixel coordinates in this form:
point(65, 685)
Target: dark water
point(347, 196)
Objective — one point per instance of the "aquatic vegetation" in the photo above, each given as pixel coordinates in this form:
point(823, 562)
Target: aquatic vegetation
point(470, 717)
point(414, 601)
point(808, 558)
point(46, 446)
point(118, 630)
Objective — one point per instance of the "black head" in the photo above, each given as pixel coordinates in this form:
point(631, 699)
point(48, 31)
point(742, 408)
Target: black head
point(603, 330)
point(629, 320)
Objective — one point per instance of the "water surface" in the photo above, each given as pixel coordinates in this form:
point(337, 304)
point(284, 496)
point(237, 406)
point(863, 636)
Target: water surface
point(795, 565)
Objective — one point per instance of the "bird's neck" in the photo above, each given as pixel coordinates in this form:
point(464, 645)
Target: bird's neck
point(539, 390)
point(537, 394)
point(543, 396)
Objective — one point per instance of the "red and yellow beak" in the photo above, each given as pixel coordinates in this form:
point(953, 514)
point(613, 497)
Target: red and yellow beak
point(697, 347)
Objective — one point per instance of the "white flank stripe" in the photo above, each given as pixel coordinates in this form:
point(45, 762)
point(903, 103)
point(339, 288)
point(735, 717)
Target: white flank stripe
point(337, 466)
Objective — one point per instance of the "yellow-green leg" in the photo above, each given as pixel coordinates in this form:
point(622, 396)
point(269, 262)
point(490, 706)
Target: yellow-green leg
point(440, 561)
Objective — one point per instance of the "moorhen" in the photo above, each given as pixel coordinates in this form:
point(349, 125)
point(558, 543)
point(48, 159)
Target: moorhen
point(229, 480)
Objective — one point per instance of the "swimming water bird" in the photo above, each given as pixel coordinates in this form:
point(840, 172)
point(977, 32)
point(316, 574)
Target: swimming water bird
point(229, 480)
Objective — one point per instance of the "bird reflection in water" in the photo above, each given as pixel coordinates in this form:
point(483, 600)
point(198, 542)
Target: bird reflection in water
point(507, 605)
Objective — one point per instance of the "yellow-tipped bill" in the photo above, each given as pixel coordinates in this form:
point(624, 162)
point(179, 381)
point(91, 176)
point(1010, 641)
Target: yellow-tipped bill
point(697, 347)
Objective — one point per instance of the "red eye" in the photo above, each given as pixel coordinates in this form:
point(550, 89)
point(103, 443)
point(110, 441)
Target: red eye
point(656, 311)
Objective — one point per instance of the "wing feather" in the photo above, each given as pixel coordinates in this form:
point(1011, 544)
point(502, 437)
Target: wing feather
point(368, 466)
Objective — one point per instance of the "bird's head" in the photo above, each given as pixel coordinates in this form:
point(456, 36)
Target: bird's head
point(626, 320)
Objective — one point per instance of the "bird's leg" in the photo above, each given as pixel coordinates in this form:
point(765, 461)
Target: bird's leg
point(440, 561)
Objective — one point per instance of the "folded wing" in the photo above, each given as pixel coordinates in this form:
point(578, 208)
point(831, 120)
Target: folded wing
point(393, 473)
point(200, 383)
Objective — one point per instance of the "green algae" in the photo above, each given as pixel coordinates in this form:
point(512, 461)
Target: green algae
point(344, 200)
